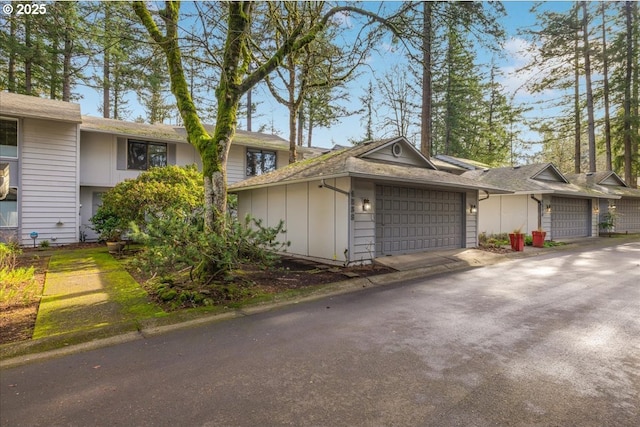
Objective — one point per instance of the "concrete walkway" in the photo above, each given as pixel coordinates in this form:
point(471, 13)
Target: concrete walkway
point(88, 290)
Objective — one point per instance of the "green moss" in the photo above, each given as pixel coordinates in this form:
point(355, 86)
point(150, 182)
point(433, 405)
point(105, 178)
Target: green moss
point(88, 289)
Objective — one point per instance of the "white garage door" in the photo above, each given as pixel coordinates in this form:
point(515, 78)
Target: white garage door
point(412, 220)
point(570, 217)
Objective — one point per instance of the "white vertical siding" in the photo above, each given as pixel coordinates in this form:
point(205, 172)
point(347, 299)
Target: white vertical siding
point(49, 185)
point(504, 214)
point(316, 219)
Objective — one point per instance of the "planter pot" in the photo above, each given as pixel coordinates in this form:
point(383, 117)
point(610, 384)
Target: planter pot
point(517, 241)
point(116, 247)
point(538, 238)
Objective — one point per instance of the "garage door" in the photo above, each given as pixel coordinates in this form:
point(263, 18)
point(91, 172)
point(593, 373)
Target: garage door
point(570, 217)
point(628, 218)
point(412, 220)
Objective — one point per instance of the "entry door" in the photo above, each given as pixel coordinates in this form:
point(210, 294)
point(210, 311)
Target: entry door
point(413, 220)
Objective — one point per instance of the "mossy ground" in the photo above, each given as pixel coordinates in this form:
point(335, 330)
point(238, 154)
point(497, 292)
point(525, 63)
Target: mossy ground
point(88, 289)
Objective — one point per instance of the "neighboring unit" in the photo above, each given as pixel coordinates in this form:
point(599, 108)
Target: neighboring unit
point(625, 212)
point(55, 164)
point(543, 198)
point(355, 204)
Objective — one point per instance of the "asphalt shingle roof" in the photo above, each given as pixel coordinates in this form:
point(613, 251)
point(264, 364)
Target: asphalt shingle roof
point(521, 179)
point(12, 104)
point(351, 162)
point(593, 180)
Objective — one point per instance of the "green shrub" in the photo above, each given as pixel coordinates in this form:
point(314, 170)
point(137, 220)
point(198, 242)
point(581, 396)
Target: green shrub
point(9, 255)
point(152, 193)
point(176, 241)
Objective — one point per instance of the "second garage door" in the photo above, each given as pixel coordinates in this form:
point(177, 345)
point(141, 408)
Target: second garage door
point(413, 220)
point(570, 217)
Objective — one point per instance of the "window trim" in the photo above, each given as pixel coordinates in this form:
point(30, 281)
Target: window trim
point(260, 151)
point(13, 119)
point(147, 144)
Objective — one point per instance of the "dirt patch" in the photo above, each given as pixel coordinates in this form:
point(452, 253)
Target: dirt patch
point(19, 314)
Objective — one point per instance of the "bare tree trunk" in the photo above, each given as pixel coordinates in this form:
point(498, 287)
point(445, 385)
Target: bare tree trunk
point(425, 123)
point(628, 169)
point(106, 77)
point(635, 100)
point(591, 125)
point(28, 61)
point(605, 65)
point(11, 72)
point(576, 101)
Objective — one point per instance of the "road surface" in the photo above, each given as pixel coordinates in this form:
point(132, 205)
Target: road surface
point(545, 341)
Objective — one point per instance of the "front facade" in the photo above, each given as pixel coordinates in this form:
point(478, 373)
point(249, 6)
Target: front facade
point(543, 198)
point(625, 211)
point(353, 205)
point(39, 152)
point(55, 164)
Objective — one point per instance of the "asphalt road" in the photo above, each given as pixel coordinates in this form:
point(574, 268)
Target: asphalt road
point(545, 341)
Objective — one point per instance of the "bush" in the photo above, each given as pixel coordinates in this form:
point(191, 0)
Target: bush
point(16, 284)
point(176, 241)
point(152, 193)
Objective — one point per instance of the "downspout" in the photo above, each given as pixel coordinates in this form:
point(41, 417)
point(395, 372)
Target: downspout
point(479, 200)
point(348, 194)
point(539, 211)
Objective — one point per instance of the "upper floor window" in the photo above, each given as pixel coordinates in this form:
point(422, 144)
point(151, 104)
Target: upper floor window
point(143, 155)
point(8, 138)
point(260, 162)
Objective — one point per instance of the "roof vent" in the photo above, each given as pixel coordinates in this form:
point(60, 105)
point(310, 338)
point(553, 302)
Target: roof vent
point(396, 149)
point(516, 167)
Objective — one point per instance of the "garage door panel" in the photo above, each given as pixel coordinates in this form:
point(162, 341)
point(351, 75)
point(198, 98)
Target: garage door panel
point(411, 219)
point(570, 217)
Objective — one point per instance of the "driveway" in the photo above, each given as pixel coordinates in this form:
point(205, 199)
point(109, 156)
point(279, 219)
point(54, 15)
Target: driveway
point(544, 341)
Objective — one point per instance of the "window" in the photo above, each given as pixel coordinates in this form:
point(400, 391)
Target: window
point(9, 210)
point(260, 162)
point(143, 155)
point(8, 138)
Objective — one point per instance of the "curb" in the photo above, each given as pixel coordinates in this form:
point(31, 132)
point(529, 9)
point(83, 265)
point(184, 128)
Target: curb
point(21, 353)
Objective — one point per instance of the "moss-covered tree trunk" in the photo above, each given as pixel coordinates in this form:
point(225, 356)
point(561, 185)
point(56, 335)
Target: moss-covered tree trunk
point(234, 82)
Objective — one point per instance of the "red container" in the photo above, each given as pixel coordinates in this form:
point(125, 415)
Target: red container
point(517, 241)
point(538, 238)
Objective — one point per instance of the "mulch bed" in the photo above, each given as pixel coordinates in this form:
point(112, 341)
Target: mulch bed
point(18, 319)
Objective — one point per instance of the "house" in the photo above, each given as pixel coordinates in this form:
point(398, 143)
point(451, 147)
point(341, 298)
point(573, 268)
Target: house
point(55, 164)
point(626, 210)
point(39, 150)
point(543, 198)
point(355, 204)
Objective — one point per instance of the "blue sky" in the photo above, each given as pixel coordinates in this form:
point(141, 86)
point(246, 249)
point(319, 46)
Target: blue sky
point(518, 17)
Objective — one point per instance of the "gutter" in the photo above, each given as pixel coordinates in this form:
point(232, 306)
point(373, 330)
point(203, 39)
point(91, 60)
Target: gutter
point(539, 211)
point(323, 184)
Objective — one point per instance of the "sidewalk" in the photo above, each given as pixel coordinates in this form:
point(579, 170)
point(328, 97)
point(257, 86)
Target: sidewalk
point(88, 293)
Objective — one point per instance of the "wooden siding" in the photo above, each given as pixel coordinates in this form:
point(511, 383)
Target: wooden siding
point(407, 157)
point(48, 191)
point(363, 240)
point(471, 220)
point(316, 219)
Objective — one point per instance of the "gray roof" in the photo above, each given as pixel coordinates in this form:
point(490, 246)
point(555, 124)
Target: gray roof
point(354, 163)
point(16, 105)
point(533, 179)
point(163, 132)
point(595, 180)
point(466, 164)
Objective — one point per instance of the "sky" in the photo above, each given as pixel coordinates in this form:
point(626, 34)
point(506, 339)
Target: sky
point(271, 113)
